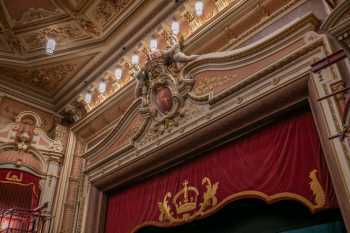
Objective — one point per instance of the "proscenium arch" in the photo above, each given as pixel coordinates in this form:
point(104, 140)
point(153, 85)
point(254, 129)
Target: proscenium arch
point(301, 82)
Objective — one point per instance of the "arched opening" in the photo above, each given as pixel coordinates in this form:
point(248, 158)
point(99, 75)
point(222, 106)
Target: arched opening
point(19, 202)
point(18, 189)
point(254, 215)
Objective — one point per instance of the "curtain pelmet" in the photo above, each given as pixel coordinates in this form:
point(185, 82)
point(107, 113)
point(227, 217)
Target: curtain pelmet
point(283, 161)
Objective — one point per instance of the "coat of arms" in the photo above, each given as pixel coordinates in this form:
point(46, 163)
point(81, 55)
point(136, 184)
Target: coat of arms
point(162, 88)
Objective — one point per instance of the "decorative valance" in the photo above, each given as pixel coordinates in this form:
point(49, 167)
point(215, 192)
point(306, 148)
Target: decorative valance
point(18, 189)
point(282, 161)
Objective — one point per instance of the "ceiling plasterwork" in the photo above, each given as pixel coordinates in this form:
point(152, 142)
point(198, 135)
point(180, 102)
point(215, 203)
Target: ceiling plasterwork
point(47, 79)
point(104, 12)
point(20, 13)
point(25, 25)
point(63, 33)
point(80, 28)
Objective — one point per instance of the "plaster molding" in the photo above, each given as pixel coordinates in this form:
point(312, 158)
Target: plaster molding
point(223, 61)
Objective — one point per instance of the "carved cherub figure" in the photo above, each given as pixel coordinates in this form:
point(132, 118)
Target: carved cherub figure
point(175, 54)
point(172, 55)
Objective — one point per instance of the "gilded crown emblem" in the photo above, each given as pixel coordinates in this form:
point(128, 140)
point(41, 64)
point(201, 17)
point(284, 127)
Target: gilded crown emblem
point(186, 199)
point(187, 203)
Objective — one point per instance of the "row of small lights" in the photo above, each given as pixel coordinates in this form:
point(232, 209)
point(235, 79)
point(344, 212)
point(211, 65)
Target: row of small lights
point(135, 58)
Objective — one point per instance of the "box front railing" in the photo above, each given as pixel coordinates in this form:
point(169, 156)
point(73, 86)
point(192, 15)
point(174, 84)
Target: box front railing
point(23, 221)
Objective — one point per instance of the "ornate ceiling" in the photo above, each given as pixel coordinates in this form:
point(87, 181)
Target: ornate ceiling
point(85, 30)
point(26, 24)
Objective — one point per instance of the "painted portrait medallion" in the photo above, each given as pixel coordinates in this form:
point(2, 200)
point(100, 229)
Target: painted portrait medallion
point(163, 99)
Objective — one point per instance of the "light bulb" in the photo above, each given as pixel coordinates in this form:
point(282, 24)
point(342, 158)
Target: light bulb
point(88, 98)
point(50, 46)
point(175, 27)
point(135, 59)
point(102, 86)
point(153, 44)
point(118, 73)
point(199, 7)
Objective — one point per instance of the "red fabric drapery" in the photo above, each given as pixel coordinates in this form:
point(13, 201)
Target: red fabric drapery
point(18, 189)
point(281, 161)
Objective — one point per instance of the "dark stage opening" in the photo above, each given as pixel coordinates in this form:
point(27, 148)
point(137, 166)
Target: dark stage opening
point(255, 216)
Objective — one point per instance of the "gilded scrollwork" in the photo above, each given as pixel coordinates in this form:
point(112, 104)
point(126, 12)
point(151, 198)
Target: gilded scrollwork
point(188, 203)
point(317, 189)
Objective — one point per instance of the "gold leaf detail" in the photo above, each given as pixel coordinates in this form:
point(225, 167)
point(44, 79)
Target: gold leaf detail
point(316, 187)
point(185, 203)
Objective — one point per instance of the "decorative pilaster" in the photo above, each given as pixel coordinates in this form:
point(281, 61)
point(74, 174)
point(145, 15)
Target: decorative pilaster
point(50, 182)
point(62, 189)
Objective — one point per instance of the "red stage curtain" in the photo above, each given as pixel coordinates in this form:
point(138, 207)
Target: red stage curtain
point(282, 161)
point(18, 189)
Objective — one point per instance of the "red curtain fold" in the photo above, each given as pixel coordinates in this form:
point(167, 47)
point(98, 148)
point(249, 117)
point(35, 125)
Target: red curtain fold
point(281, 161)
point(18, 189)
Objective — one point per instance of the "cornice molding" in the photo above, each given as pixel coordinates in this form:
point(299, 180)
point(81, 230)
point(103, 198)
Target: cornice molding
point(110, 103)
point(336, 17)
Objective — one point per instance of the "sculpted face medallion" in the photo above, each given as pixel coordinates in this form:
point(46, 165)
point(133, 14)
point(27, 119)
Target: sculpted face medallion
point(163, 99)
